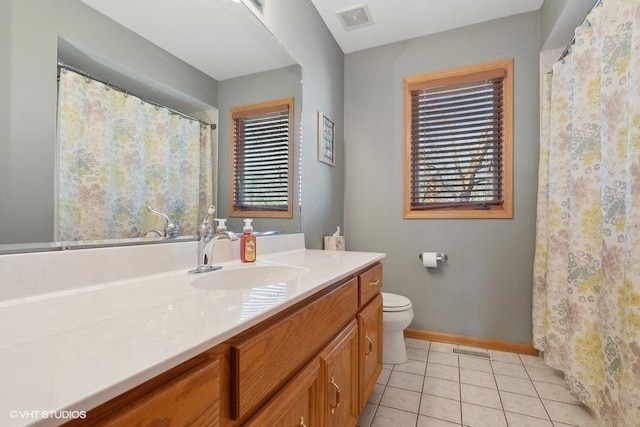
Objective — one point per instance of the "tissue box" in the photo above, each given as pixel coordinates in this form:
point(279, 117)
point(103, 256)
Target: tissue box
point(334, 243)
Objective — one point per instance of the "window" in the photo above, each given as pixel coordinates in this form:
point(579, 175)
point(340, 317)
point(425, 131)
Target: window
point(262, 159)
point(458, 143)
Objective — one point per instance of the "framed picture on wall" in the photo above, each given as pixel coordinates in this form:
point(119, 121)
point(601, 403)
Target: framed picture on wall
point(326, 140)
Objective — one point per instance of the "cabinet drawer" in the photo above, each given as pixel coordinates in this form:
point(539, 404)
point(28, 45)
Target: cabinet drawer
point(261, 364)
point(191, 399)
point(370, 284)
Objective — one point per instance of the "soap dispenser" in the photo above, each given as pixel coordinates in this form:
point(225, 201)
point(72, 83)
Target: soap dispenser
point(221, 224)
point(247, 242)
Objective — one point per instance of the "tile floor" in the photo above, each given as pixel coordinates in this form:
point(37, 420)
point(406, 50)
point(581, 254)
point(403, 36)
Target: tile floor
point(439, 388)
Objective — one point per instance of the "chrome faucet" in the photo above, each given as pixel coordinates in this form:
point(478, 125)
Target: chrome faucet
point(206, 235)
point(171, 230)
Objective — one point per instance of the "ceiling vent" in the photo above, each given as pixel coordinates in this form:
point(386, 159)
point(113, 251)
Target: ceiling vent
point(355, 17)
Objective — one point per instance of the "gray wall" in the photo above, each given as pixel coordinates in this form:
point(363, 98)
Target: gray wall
point(265, 86)
point(28, 136)
point(300, 28)
point(485, 289)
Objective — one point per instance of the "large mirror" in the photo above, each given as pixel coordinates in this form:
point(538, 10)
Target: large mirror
point(197, 57)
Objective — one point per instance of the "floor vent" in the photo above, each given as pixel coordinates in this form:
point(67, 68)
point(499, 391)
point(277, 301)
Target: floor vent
point(482, 354)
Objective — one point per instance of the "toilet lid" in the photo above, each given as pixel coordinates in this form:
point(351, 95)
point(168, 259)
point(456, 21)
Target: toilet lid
point(393, 302)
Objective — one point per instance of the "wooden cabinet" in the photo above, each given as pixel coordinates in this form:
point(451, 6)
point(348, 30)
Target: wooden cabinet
point(263, 361)
point(312, 365)
point(297, 404)
point(370, 347)
point(339, 378)
point(191, 398)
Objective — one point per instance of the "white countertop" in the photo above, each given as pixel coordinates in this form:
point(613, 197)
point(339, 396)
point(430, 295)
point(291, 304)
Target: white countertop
point(75, 349)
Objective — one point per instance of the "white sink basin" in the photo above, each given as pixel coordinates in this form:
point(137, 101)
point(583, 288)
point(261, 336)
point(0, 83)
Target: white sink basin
point(253, 276)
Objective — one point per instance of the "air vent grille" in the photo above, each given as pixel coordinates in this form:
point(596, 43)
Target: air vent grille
point(482, 354)
point(356, 17)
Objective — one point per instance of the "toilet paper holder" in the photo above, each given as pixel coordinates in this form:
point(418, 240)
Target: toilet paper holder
point(440, 257)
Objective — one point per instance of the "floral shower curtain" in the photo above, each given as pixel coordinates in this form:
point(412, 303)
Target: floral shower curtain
point(586, 296)
point(118, 155)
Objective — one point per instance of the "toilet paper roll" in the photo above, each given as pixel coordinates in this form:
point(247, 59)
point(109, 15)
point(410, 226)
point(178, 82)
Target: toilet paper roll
point(429, 259)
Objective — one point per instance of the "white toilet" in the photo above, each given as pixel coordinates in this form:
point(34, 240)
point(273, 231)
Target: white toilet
point(397, 314)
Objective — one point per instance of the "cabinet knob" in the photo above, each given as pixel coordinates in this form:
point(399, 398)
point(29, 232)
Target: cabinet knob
point(334, 407)
point(302, 424)
point(369, 346)
point(373, 283)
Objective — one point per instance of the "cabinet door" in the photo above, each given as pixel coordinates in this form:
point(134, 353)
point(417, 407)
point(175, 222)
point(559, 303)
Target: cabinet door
point(339, 375)
point(296, 405)
point(370, 351)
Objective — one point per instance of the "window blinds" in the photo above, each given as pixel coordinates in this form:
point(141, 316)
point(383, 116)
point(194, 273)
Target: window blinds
point(456, 144)
point(261, 160)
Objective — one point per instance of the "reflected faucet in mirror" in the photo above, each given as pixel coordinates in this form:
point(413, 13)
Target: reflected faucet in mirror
point(170, 230)
point(206, 236)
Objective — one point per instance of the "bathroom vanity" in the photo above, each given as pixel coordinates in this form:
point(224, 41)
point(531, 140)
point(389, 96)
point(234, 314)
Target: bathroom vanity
point(312, 364)
point(302, 351)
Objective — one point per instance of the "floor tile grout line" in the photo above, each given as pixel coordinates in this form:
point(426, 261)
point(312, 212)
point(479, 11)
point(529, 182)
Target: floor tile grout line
point(398, 409)
point(495, 380)
point(460, 391)
point(537, 393)
point(375, 412)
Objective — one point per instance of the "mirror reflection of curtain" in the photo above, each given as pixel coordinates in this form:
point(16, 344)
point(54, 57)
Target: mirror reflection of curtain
point(119, 154)
point(586, 293)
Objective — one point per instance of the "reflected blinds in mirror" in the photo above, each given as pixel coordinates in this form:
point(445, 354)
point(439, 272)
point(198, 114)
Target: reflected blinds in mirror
point(263, 158)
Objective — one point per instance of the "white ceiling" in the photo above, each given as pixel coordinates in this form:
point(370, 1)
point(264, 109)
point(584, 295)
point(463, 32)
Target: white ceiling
point(396, 20)
point(234, 39)
point(221, 38)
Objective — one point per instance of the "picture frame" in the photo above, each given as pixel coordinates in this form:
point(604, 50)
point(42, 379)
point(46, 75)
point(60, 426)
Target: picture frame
point(326, 140)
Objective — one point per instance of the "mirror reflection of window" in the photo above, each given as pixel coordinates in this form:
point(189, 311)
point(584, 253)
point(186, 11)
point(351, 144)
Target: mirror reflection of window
point(262, 159)
point(120, 154)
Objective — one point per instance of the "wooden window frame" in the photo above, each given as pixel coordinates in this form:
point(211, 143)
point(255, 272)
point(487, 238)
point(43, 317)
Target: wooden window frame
point(255, 109)
point(447, 78)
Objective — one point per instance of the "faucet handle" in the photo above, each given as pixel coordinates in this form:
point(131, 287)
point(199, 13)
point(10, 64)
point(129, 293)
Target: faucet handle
point(206, 228)
point(210, 212)
point(172, 229)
